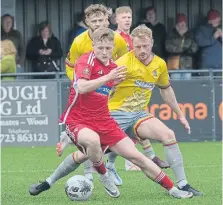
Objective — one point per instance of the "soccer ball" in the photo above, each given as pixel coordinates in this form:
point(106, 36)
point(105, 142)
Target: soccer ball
point(78, 188)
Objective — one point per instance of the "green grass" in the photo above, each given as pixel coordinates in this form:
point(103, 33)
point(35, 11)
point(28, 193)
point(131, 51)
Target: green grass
point(23, 166)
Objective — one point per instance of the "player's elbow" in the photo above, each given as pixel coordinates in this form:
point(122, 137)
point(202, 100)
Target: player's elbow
point(81, 90)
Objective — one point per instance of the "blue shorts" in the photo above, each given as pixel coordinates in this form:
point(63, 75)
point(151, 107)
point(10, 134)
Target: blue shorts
point(130, 121)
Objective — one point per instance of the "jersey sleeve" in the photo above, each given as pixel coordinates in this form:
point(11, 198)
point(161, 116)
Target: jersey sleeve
point(122, 47)
point(71, 58)
point(83, 71)
point(163, 81)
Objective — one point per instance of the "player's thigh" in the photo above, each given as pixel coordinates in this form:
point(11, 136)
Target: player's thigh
point(111, 135)
point(125, 147)
point(153, 128)
point(87, 137)
point(83, 135)
point(138, 118)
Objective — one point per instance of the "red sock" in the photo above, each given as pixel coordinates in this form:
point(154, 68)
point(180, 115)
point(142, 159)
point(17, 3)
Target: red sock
point(164, 181)
point(100, 167)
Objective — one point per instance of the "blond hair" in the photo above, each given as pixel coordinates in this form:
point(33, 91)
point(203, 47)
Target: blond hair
point(102, 34)
point(8, 48)
point(142, 31)
point(96, 9)
point(123, 9)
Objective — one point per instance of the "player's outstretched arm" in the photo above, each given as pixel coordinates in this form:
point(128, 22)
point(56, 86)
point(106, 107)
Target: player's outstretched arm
point(85, 86)
point(169, 97)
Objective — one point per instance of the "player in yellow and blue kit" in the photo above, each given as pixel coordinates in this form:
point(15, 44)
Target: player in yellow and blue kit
point(130, 98)
point(96, 16)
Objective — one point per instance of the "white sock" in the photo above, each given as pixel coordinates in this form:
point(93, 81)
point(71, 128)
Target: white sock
point(111, 160)
point(149, 152)
point(65, 168)
point(110, 165)
point(175, 160)
point(182, 183)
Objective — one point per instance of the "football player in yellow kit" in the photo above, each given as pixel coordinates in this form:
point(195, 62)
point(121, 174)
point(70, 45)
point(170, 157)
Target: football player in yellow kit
point(96, 15)
point(124, 23)
point(130, 98)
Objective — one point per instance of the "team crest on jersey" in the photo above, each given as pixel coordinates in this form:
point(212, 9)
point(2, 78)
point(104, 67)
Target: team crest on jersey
point(155, 73)
point(86, 71)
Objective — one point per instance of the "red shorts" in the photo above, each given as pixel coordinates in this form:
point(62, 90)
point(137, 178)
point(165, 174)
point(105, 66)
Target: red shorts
point(109, 132)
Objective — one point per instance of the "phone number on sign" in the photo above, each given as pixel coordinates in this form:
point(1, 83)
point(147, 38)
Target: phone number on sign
point(30, 137)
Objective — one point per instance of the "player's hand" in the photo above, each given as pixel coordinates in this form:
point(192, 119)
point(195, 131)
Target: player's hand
point(116, 82)
point(185, 124)
point(118, 74)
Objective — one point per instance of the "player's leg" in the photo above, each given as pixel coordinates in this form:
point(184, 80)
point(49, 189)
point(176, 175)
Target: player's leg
point(89, 170)
point(111, 157)
point(155, 129)
point(69, 164)
point(64, 142)
point(129, 166)
point(84, 139)
point(91, 144)
point(126, 120)
point(126, 149)
point(148, 149)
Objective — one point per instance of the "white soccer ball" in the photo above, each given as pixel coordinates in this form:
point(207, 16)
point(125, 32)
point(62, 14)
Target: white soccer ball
point(78, 188)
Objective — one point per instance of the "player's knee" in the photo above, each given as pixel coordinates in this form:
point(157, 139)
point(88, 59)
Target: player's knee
point(168, 136)
point(93, 143)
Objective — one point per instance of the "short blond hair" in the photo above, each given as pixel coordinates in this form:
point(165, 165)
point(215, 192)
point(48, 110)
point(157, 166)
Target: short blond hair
point(8, 48)
point(123, 9)
point(102, 34)
point(142, 31)
point(96, 9)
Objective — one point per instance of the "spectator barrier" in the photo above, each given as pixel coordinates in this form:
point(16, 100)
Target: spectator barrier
point(30, 108)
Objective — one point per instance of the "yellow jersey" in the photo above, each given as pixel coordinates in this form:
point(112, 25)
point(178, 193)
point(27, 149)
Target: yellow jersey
point(83, 44)
point(134, 93)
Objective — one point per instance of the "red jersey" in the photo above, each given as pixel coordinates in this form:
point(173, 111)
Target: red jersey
point(127, 39)
point(91, 106)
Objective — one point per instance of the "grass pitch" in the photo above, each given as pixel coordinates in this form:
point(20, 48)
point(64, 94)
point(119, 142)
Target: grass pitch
point(23, 166)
